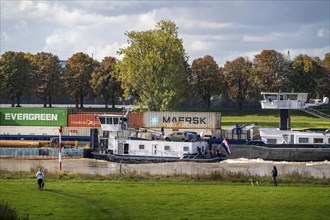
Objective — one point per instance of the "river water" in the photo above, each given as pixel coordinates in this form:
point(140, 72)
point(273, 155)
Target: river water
point(245, 166)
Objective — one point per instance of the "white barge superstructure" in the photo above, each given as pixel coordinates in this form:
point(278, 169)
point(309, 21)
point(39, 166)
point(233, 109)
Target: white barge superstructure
point(301, 137)
point(284, 101)
point(119, 142)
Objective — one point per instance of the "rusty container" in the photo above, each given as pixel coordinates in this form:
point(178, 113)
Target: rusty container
point(83, 120)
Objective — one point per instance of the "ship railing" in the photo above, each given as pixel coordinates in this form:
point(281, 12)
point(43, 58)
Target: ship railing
point(160, 153)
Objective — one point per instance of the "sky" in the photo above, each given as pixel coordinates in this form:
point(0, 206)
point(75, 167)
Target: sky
point(224, 30)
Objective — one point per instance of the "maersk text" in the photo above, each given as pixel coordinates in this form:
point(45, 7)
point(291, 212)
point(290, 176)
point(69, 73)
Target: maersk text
point(190, 120)
point(30, 117)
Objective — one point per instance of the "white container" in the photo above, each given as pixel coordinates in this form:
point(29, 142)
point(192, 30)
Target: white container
point(77, 131)
point(29, 130)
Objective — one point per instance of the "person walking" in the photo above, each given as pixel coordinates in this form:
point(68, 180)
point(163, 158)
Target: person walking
point(274, 175)
point(40, 176)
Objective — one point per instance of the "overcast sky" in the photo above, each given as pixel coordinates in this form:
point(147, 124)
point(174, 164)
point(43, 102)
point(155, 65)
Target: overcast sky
point(224, 30)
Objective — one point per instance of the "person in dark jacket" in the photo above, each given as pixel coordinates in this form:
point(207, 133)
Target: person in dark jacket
point(274, 175)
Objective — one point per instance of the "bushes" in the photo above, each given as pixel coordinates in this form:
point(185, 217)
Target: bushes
point(7, 212)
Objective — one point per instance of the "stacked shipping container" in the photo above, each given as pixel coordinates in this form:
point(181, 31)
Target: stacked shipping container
point(179, 120)
point(83, 120)
point(33, 116)
point(41, 121)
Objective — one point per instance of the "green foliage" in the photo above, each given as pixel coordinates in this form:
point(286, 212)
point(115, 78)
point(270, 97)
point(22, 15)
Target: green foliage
point(104, 83)
point(205, 79)
point(324, 81)
point(238, 77)
point(7, 212)
point(153, 68)
point(15, 75)
point(78, 73)
point(155, 73)
point(306, 72)
point(271, 71)
point(48, 80)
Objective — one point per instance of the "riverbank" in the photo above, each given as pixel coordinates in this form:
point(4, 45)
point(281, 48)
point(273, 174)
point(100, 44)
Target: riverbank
point(247, 167)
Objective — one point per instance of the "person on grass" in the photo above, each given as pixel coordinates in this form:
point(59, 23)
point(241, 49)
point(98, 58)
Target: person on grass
point(274, 175)
point(40, 176)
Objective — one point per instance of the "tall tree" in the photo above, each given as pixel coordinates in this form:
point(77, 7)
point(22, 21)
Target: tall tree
point(78, 73)
point(16, 72)
point(48, 79)
point(324, 81)
point(305, 73)
point(238, 77)
point(153, 67)
point(205, 78)
point(271, 70)
point(104, 83)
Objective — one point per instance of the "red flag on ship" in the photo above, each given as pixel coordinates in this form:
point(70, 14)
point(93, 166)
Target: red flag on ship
point(225, 144)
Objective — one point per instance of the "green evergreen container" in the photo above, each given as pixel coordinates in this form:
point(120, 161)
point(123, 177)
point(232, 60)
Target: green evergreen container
point(33, 116)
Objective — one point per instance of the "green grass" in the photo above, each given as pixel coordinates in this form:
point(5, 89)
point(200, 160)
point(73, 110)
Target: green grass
point(271, 118)
point(114, 199)
point(264, 117)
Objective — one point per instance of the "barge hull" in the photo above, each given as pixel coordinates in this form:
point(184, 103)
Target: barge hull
point(280, 153)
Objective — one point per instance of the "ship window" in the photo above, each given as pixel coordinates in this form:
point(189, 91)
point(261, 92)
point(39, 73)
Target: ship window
point(126, 148)
point(167, 147)
point(102, 120)
point(303, 140)
point(318, 140)
point(186, 149)
point(271, 141)
point(115, 121)
point(109, 121)
point(292, 97)
point(141, 147)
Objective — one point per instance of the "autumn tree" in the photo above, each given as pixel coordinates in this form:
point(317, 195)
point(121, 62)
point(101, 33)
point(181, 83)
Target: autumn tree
point(153, 67)
point(305, 73)
point(78, 73)
point(324, 81)
point(189, 93)
point(271, 70)
point(205, 78)
point(238, 77)
point(15, 75)
point(104, 83)
point(47, 77)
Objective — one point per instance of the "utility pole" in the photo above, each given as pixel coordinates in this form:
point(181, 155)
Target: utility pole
point(60, 149)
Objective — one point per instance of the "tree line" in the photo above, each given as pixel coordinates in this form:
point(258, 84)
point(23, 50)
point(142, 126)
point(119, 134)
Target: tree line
point(155, 75)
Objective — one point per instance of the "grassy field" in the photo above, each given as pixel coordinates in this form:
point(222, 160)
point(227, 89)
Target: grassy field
point(114, 199)
point(271, 119)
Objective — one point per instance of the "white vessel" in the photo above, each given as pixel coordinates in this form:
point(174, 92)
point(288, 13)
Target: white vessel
point(289, 100)
point(122, 143)
point(302, 137)
point(285, 135)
